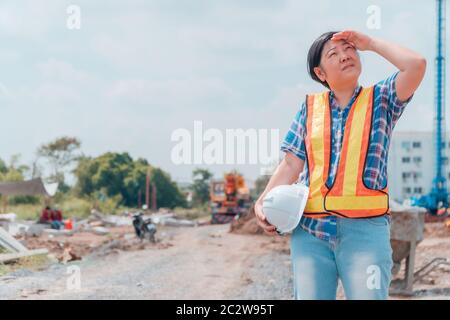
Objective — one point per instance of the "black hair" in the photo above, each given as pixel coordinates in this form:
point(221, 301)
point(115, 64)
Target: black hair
point(315, 54)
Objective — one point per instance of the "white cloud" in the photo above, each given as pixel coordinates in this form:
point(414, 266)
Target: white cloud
point(170, 93)
point(4, 92)
point(55, 94)
point(63, 71)
point(30, 18)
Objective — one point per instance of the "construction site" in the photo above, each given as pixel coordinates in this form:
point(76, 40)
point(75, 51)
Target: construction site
point(224, 255)
point(88, 221)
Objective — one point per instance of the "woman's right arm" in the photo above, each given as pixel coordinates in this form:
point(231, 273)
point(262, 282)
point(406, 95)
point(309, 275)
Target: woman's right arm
point(287, 172)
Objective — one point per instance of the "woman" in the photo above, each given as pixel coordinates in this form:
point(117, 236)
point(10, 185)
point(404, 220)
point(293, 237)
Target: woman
point(343, 135)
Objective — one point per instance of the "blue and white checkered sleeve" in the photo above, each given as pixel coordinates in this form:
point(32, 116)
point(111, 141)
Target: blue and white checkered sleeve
point(294, 141)
point(394, 104)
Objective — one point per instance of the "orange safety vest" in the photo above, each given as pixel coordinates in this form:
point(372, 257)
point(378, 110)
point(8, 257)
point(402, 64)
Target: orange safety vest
point(348, 197)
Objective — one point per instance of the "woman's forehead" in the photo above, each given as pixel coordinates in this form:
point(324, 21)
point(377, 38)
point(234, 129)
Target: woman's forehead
point(333, 44)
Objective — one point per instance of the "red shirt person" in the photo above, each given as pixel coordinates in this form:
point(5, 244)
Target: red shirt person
point(56, 215)
point(46, 215)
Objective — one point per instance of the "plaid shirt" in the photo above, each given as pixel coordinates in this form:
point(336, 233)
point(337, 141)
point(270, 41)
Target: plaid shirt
point(387, 109)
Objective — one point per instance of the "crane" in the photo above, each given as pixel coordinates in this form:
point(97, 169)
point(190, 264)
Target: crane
point(437, 198)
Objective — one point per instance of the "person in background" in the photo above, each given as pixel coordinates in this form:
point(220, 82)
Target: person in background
point(45, 217)
point(52, 217)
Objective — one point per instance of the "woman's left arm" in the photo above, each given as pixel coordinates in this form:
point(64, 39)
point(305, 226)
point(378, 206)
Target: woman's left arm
point(411, 64)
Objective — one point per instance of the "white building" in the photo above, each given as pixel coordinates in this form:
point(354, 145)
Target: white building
point(411, 164)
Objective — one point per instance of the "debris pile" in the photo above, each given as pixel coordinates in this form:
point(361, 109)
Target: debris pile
point(246, 224)
point(98, 234)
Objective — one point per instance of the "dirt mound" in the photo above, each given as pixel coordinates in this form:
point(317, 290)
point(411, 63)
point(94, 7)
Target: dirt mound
point(78, 245)
point(129, 244)
point(437, 229)
point(246, 224)
point(82, 244)
point(436, 218)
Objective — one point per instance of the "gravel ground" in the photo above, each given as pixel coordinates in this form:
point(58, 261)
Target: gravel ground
point(204, 262)
point(278, 278)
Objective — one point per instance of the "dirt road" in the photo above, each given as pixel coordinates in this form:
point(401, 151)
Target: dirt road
point(204, 262)
point(190, 263)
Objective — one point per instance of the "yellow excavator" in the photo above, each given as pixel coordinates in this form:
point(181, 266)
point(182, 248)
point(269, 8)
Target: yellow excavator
point(229, 198)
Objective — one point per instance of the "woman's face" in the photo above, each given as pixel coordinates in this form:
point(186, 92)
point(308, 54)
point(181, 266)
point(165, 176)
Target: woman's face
point(340, 65)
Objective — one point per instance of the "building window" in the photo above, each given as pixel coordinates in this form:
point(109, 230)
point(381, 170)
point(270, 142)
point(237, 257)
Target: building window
point(407, 190)
point(416, 144)
point(406, 159)
point(417, 159)
point(418, 190)
point(406, 145)
point(417, 175)
point(406, 175)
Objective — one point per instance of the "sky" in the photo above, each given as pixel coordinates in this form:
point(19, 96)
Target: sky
point(136, 71)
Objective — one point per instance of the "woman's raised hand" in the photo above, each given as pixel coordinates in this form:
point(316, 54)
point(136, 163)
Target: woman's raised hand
point(359, 40)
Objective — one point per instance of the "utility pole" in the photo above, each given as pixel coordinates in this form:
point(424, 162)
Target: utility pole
point(147, 188)
point(154, 197)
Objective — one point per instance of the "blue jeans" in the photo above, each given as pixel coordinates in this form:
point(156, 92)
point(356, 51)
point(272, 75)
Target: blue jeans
point(57, 224)
point(361, 257)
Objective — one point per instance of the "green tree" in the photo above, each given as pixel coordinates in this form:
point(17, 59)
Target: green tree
point(115, 174)
point(135, 181)
point(3, 167)
point(200, 187)
point(60, 153)
point(168, 194)
point(84, 171)
point(16, 172)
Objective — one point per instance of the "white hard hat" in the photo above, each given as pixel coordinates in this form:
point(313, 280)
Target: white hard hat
point(283, 206)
